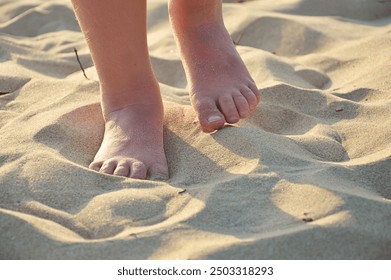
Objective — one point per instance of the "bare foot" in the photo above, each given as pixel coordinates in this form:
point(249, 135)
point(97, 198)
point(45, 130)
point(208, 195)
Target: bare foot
point(132, 145)
point(221, 89)
point(132, 106)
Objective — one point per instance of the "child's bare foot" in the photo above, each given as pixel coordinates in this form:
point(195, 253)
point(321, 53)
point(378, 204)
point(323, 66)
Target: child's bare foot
point(132, 106)
point(133, 141)
point(221, 89)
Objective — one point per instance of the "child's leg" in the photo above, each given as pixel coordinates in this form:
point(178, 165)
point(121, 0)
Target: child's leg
point(131, 102)
point(221, 89)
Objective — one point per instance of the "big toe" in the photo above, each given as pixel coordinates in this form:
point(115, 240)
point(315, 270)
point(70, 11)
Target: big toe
point(209, 115)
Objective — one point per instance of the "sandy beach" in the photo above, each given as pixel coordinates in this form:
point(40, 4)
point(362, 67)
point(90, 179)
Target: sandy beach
point(307, 176)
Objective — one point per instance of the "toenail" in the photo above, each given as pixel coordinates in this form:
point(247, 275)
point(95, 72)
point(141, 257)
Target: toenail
point(214, 119)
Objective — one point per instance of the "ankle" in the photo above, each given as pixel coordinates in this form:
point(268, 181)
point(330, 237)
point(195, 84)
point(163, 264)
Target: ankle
point(185, 14)
point(140, 93)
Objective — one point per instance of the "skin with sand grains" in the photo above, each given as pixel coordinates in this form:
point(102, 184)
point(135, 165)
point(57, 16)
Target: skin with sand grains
point(221, 89)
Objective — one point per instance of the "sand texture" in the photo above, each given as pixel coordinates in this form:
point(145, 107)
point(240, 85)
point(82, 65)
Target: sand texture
point(307, 176)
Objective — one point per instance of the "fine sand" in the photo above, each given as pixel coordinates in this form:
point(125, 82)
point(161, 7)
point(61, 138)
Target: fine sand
point(307, 176)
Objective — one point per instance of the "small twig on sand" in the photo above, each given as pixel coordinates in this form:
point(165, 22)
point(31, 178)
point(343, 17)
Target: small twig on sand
point(81, 66)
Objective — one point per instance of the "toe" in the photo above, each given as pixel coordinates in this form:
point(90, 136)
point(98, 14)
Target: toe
point(96, 165)
point(210, 117)
point(122, 169)
point(241, 105)
point(138, 170)
point(251, 98)
point(108, 167)
point(255, 91)
point(227, 106)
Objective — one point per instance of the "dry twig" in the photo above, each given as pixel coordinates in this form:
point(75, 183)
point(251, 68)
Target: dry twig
point(81, 66)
